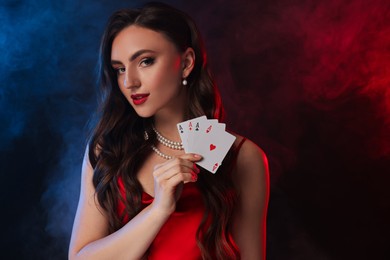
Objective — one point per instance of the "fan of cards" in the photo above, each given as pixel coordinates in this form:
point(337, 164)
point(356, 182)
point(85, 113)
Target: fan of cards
point(208, 138)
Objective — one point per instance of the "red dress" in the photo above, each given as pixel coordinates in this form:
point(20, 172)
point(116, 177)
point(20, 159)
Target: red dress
point(177, 237)
point(180, 227)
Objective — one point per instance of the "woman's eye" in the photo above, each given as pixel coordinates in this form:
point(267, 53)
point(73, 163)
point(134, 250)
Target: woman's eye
point(147, 62)
point(120, 70)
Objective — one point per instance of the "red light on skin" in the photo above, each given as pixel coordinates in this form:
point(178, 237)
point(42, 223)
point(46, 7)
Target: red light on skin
point(177, 64)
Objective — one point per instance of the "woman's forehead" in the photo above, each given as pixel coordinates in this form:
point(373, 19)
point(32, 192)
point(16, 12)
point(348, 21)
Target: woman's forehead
point(134, 38)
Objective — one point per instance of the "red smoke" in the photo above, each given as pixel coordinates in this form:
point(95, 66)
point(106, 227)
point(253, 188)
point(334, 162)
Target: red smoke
point(347, 50)
point(272, 56)
point(309, 81)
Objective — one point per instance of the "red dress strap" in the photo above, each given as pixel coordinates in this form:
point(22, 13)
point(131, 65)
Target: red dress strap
point(236, 151)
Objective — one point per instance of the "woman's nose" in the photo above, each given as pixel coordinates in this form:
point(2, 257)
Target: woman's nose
point(131, 80)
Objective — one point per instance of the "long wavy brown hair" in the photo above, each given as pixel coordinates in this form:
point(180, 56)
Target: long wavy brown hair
point(117, 146)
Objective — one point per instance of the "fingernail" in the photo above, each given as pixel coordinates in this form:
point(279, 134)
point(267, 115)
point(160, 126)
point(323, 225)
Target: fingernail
point(197, 155)
point(194, 176)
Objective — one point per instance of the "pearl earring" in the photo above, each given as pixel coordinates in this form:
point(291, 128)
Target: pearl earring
point(185, 82)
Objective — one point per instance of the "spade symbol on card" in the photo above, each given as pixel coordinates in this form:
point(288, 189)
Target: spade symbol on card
point(212, 147)
point(197, 127)
point(181, 129)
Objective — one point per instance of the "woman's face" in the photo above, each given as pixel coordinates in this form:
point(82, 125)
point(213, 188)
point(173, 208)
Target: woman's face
point(150, 70)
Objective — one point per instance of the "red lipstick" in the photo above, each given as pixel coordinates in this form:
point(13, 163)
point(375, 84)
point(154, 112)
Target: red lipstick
point(139, 99)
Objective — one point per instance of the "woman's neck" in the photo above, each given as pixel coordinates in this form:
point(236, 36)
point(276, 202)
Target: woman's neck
point(167, 126)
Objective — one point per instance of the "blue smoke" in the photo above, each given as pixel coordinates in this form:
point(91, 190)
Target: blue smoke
point(47, 96)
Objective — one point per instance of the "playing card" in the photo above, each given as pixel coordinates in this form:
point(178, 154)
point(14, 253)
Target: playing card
point(202, 126)
point(185, 129)
point(213, 147)
point(208, 138)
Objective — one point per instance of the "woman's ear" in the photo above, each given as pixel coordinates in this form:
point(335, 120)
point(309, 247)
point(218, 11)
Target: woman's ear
point(188, 62)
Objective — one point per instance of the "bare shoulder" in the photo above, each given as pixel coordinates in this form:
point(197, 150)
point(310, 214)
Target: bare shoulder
point(250, 156)
point(251, 166)
point(251, 178)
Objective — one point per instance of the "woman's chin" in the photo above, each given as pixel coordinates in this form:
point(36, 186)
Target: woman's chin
point(144, 114)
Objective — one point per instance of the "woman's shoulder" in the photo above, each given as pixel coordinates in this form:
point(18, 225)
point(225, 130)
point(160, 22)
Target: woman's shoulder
point(91, 153)
point(248, 151)
point(252, 163)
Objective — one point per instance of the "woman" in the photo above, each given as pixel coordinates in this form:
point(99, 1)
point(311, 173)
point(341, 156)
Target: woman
point(139, 197)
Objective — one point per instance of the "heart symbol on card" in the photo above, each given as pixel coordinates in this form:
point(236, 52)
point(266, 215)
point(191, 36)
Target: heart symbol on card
point(212, 147)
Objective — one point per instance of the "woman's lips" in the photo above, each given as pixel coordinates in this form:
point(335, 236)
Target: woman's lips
point(139, 99)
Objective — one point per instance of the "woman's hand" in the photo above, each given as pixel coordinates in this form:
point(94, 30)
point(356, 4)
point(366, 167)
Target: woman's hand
point(169, 178)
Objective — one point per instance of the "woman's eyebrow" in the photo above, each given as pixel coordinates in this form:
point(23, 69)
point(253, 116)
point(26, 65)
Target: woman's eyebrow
point(134, 56)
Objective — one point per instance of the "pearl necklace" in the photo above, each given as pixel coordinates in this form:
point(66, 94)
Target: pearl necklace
point(163, 155)
point(166, 142)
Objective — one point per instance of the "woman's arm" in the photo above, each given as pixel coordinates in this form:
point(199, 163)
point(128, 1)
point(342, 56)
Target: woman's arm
point(252, 178)
point(90, 238)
